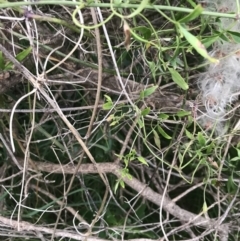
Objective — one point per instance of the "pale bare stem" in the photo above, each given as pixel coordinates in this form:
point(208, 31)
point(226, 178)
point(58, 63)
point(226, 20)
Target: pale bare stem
point(176, 199)
point(64, 176)
point(100, 70)
point(220, 173)
point(230, 206)
point(126, 141)
point(68, 55)
point(10, 152)
point(26, 156)
point(99, 85)
point(33, 34)
point(140, 188)
point(28, 181)
point(12, 113)
point(167, 183)
point(114, 60)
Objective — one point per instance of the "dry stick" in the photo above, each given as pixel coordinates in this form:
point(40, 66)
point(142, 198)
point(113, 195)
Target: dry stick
point(10, 152)
point(48, 110)
point(219, 177)
point(167, 204)
point(26, 159)
point(167, 182)
point(29, 228)
point(146, 192)
point(124, 147)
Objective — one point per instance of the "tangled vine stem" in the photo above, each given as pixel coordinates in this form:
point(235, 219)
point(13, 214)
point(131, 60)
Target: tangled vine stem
point(141, 189)
point(118, 135)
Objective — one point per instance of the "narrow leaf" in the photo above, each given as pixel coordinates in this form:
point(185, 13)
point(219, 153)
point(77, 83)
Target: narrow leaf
point(205, 208)
point(22, 55)
point(201, 139)
point(194, 14)
point(142, 160)
point(140, 123)
point(156, 139)
point(163, 133)
point(189, 135)
point(178, 79)
point(199, 47)
point(2, 65)
point(163, 116)
point(147, 92)
point(107, 106)
point(145, 111)
point(183, 113)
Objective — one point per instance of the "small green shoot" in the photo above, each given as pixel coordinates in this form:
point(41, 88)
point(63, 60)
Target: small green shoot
point(108, 105)
point(147, 92)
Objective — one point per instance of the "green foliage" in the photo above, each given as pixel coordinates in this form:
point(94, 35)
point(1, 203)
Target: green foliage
point(5, 66)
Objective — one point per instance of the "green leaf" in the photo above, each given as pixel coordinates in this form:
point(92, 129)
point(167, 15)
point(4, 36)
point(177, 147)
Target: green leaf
point(163, 116)
point(116, 186)
point(2, 65)
point(183, 113)
point(193, 4)
point(142, 160)
point(129, 176)
point(180, 157)
point(145, 112)
point(126, 162)
point(152, 67)
point(201, 139)
point(207, 42)
point(235, 159)
point(147, 92)
point(22, 55)
point(194, 14)
point(107, 106)
point(142, 211)
point(197, 45)
point(231, 186)
point(238, 152)
point(163, 133)
point(108, 98)
point(210, 148)
point(113, 123)
point(205, 208)
point(122, 184)
point(178, 79)
point(156, 139)
point(235, 36)
point(140, 123)
point(144, 32)
point(189, 135)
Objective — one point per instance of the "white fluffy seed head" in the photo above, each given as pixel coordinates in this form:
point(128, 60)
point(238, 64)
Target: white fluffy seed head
point(220, 84)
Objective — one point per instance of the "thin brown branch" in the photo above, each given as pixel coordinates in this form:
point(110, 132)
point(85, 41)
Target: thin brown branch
point(139, 187)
